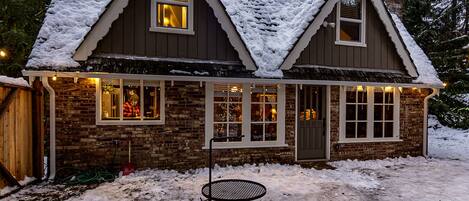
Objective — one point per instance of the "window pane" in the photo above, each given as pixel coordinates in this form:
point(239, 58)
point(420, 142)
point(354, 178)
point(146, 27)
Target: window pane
point(271, 94)
point(257, 132)
point(389, 112)
point(350, 130)
point(110, 99)
point(361, 130)
point(351, 112)
point(220, 93)
point(388, 129)
point(236, 114)
point(219, 130)
point(131, 99)
point(220, 112)
point(362, 95)
point(271, 112)
point(270, 132)
point(362, 112)
point(351, 95)
point(256, 113)
point(235, 131)
point(151, 99)
point(378, 130)
point(350, 31)
point(257, 94)
point(236, 93)
point(378, 112)
point(389, 97)
point(174, 16)
point(351, 9)
point(378, 95)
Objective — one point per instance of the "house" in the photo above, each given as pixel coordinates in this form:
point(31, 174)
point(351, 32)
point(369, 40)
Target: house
point(302, 80)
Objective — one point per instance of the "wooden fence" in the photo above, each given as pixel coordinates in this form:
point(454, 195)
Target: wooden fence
point(16, 134)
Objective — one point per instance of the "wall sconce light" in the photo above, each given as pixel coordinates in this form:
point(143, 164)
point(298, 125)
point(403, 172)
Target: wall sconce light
point(54, 78)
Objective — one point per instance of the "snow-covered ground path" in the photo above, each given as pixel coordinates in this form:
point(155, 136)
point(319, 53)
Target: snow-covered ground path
point(443, 177)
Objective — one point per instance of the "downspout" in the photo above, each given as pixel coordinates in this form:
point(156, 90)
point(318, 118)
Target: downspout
point(425, 120)
point(52, 156)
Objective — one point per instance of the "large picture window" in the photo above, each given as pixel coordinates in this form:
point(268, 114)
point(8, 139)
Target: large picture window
point(255, 111)
point(351, 26)
point(369, 114)
point(172, 16)
point(125, 101)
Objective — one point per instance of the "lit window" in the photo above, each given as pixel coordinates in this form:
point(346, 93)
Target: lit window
point(350, 22)
point(172, 16)
point(130, 101)
point(228, 111)
point(254, 111)
point(370, 114)
point(264, 113)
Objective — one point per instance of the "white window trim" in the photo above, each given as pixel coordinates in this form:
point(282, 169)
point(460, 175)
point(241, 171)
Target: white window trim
point(190, 21)
point(246, 124)
point(370, 118)
point(99, 120)
point(362, 42)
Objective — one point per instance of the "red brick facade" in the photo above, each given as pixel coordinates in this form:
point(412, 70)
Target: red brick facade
point(178, 143)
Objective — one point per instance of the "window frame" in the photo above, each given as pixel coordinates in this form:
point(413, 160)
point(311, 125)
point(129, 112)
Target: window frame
point(122, 121)
point(246, 122)
point(370, 118)
point(362, 22)
point(190, 17)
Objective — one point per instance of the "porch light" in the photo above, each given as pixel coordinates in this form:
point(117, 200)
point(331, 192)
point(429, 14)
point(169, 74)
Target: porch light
point(54, 78)
point(400, 89)
point(3, 54)
point(360, 88)
point(445, 84)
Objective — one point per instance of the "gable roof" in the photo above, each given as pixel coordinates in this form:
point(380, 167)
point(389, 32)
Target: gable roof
point(270, 28)
point(64, 28)
point(269, 34)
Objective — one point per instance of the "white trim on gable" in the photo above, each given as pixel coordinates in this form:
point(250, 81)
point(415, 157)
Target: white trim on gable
point(327, 10)
point(99, 30)
point(233, 35)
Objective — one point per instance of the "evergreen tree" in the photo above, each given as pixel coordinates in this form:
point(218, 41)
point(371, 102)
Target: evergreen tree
point(441, 28)
point(20, 21)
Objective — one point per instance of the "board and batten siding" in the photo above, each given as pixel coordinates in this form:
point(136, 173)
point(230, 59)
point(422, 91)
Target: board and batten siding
point(379, 53)
point(130, 35)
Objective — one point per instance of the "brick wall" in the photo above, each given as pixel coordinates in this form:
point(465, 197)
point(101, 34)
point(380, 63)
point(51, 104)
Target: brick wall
point(178, 144)
point(411, 131)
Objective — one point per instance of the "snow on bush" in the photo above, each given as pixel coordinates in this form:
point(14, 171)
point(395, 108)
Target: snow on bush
point(270, 28)
point(64, 28)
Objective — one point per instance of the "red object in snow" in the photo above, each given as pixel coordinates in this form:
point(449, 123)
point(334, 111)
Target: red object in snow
point(128, 169)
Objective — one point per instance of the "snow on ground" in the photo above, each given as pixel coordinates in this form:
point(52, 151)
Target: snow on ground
point(445, 176)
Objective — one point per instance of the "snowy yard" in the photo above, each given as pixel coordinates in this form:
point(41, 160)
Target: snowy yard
point(444, 177)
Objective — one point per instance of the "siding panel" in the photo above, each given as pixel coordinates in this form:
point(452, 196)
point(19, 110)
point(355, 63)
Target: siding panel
point(380, 52)
point(130, 35)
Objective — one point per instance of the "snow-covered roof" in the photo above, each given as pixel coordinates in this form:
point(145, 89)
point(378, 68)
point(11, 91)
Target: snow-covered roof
point(466, 47)
point(65, 26)
point(13, 81)
point(427, 73)
point(270, 28)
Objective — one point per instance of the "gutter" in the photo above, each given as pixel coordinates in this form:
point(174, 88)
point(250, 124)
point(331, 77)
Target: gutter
point(52, 152)
point(216, 79)
point(425, 120)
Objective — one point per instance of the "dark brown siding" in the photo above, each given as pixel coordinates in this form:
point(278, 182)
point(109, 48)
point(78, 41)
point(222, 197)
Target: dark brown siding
point(380, 52)
point(130, 35)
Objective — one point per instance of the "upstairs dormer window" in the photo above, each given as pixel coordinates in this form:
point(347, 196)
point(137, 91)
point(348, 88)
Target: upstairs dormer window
point(172, 16)
point(351, 23)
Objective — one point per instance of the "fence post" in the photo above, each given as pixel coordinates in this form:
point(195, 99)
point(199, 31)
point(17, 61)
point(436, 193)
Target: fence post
point(38, 129)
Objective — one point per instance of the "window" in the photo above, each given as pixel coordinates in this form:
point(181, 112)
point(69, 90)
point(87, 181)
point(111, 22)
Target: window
point(351, 27)
point(125, 101)
point(264, 113)
point(370, 114)
point(255, 111)
point(172, 16)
